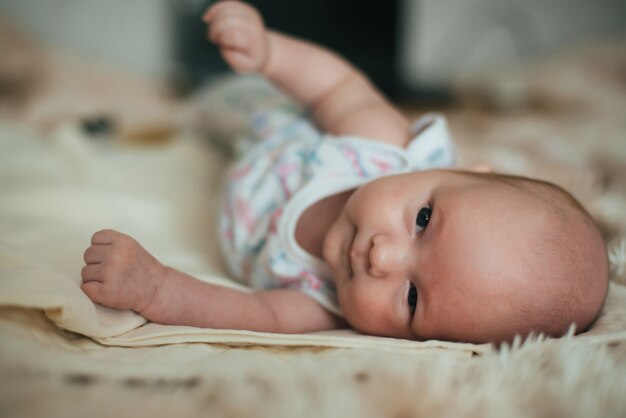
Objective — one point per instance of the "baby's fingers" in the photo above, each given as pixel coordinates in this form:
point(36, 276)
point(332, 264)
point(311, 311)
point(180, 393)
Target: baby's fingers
point(234, 39)
point(104, 237)
point(95, 254)
point(91, 273)
point(94, 291)
point(226, 9)
point(227, 30)
point(239, 61)
point(210, 13)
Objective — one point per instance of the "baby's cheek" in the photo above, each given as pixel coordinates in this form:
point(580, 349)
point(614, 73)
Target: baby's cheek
point(420, 325)
point(350, 304)
point(361, 307)
point(343, 299)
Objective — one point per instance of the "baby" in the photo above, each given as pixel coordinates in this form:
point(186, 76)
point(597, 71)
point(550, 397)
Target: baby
point(364, 225)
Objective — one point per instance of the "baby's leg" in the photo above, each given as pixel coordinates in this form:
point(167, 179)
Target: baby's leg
point(234, 112)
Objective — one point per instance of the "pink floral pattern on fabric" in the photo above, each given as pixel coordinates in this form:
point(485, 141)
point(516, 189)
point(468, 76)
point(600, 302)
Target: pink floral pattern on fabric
point(286, 153)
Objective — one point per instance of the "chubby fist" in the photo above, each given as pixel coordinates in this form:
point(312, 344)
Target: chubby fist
point(239, 32)
point(119, 272)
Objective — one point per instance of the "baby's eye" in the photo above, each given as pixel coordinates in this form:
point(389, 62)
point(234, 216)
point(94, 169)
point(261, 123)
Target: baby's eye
point(423, 216)
point(412, 298)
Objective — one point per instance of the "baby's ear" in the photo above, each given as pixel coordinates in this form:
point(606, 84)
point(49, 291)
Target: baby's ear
point(481, 168)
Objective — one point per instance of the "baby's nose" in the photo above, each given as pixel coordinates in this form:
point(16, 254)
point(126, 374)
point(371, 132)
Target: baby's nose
point(387, 256)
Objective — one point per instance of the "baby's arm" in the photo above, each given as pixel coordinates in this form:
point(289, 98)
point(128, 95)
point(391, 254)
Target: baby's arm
point(341, 98)
point(121, 274)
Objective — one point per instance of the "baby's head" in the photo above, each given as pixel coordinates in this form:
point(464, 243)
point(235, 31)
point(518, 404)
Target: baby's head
point(466, 256)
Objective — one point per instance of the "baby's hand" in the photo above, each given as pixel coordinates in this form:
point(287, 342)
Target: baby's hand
point(120, 273)
point(238, 30)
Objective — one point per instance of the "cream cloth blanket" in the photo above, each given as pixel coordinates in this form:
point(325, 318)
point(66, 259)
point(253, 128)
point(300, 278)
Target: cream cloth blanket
point(55, 192)
point(58, 191)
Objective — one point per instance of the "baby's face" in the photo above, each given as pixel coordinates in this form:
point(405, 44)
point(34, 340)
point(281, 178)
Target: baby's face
point(424, 255)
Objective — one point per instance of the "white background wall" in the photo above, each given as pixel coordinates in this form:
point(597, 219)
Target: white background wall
point(443, 40)
point(450, 39)
point(135, 34)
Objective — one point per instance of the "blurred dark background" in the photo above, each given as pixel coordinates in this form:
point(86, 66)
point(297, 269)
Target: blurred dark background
point(415, 49)
point(364, 31)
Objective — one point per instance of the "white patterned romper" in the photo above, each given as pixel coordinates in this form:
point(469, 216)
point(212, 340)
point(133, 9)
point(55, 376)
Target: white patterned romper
point(289, 166)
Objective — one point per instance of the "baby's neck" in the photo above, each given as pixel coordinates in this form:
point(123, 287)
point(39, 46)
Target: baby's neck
point(316, 220)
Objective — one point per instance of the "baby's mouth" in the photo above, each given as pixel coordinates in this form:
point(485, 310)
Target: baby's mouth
point(358, 256)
